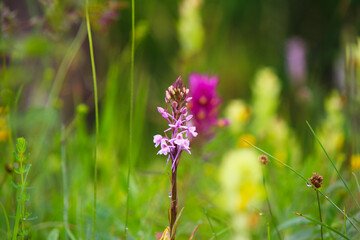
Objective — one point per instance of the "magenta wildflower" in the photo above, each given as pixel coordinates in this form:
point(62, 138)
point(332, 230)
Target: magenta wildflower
point(205, 103)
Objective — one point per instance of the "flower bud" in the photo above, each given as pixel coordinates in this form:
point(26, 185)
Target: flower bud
point(184, 111)
point(316, 180)
point(263, 159)
point(21, 145)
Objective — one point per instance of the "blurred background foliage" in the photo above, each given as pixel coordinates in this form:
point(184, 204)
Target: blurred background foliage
point(279, 63)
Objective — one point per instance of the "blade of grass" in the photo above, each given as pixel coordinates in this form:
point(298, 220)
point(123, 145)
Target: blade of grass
point(66, 63)
point(344, 222)
point(306, 181)
point(211, 226)
point(131, 112)
point(192, 235)
point(357, 182)
point(65, 187)
point(96, 111)
point(273, 219)
point(322, 224)
point(7, 222)
point(221, 232)
point(333, 164)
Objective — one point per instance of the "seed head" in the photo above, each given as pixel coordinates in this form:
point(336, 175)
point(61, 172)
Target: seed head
point(316, 180)
point(263, 159)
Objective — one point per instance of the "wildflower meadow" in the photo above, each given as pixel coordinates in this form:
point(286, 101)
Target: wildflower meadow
point(189, 119)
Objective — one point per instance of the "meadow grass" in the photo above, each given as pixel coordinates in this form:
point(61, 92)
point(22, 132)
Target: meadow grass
point(108, 177)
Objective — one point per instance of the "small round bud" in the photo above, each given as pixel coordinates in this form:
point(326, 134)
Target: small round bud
point(167, 94)
point(263, 159)
point(174, 104)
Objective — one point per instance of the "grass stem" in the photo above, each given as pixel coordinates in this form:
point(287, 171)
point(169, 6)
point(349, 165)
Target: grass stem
point(322, 224)
point(320, 217)
point(306, 181)
point(333, 164)
point(7, 222)
point(211, 226)
point(131, 112)
point(273, 219)
point(65, 187)
point(96, 111)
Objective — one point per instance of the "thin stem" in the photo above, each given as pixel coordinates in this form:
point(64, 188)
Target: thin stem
point(333, 164)
point(322, 224)
point(18, 208)
point(306, 181)
point(321, 227)
point(96, 110)
point(273, 219)
point(344, 223)
point(3, 58)
point(22, 201)
point(211, 226)
point(173, 204)
point(66, 63)
point(131, 111)
point(65, 187)
point(7, 222)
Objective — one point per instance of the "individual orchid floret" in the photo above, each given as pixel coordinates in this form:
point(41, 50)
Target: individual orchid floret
point(165, 148)
point(157, 140)
point(205, 103)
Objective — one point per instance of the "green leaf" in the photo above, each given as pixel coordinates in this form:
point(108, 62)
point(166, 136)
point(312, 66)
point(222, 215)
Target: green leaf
point(53, 235)
point(173, 231)
point(322, 224)
point(14, 185)
point(16, 156)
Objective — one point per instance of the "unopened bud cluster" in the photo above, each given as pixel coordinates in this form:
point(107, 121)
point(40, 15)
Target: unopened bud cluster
point(316, 180)
point(176, 95)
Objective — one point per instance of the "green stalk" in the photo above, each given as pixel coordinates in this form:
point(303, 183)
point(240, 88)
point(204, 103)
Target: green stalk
point(3, 59)
point(19, 206)
point(7, 222)
point(131, 111)
point(273, 219)
point(66, 63)
point(333, 164)
point(211, 226)
point(322, 224)
point(96, 110)
point(306, 181)
point(321, 228)
point(344, 223)
point(65, 188)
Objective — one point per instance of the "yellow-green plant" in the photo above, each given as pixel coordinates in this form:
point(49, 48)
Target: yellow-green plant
point(22, 196)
